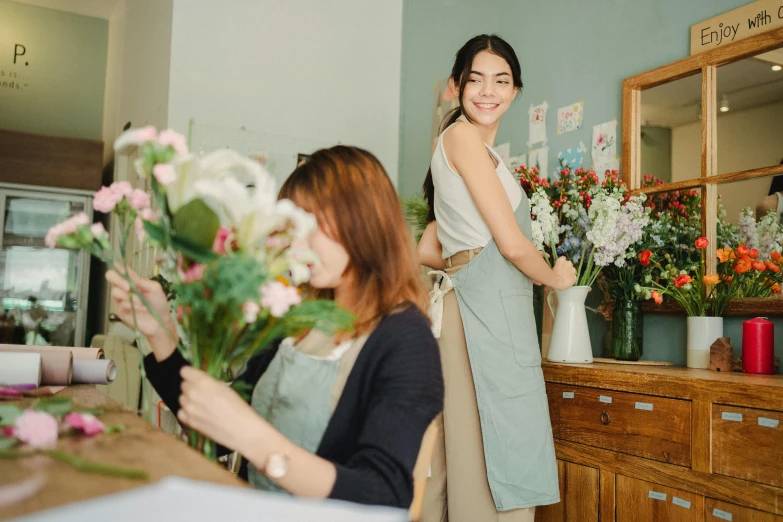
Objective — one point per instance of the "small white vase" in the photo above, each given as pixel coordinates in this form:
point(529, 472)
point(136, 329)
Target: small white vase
point(570, 341)
point(702, 332)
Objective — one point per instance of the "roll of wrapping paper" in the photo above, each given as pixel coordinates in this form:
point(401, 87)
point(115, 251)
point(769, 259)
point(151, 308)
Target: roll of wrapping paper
point(94, 371)
point(20, 368)
point(56, 365)
point(77, 352)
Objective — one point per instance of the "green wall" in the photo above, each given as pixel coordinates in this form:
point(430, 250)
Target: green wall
point(56, 87)
point(570, 50)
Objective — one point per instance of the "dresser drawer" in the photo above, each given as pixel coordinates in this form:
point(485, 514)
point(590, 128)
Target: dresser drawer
point(652, 427)
point(717, 511)
point(641, 501)
point(748, 444)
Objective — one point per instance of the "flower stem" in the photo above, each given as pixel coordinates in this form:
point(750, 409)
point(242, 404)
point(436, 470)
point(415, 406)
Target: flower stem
point(78, 463)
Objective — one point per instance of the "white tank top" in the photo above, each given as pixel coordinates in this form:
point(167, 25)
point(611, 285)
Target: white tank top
point(460, 226)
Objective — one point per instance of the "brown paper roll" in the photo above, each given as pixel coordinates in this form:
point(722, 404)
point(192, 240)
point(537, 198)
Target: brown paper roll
point(78, 353)
point(56, 365)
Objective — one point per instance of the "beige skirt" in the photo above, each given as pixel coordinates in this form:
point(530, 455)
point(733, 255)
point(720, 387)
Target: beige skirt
point(458, 489)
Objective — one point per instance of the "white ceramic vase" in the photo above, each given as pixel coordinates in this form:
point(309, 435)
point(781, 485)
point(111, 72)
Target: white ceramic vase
point(702, 332)
point(570, 341)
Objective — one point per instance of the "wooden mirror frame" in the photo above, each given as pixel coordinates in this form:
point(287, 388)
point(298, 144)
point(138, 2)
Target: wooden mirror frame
point(707, 64)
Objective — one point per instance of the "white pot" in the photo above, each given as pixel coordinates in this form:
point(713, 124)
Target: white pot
point(570, 341)
point(702, 332)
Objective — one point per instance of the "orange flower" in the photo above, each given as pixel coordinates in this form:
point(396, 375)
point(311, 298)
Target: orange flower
point(753, 253)
point(775, 288)
point(284, 280)
point(682, 280)
point(724, 254)
point(656, 297)
point(772, 267)
point(742, 250)
point(711, 279)
point(759, 265)
point(644, 257)
point(702, 242)
point(742, 265)
point(775, 256)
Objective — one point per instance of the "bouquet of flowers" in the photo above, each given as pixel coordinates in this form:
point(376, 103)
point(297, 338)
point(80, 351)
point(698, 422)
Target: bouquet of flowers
point(224, 243)
point(593, 224)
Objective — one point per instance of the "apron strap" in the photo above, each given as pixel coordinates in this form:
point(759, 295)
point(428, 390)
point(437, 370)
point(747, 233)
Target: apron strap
point(439, 291)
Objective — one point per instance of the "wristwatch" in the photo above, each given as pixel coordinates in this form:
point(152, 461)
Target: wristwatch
point(276, 466)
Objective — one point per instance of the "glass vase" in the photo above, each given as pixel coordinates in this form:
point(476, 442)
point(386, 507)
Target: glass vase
point(627, 330)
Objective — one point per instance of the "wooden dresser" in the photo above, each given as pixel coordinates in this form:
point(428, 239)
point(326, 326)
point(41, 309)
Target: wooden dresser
point(642, 443)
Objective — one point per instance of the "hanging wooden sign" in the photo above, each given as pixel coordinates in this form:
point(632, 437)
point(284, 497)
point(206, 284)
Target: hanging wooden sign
point(749, 20)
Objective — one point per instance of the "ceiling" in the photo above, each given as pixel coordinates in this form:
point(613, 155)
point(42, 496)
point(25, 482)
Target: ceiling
point(94, 8)
point(747, 83)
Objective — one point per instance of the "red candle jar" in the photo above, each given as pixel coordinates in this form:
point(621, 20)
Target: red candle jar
point(758, 346)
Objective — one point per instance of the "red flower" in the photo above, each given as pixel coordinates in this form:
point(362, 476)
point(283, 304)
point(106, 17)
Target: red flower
point(775, 256)
point(644, 257)
point(702, 242)
point(656, 297)
point(743, 264)
point(682, 280)
point(742, 250)
point(753, 254)
point(772, 267)
point(759, 265)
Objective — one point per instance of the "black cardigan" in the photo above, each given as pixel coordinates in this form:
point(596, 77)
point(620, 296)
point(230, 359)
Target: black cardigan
point(394, 391)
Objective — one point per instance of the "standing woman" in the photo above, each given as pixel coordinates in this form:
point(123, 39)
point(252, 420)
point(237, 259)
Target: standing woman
point(497, 437)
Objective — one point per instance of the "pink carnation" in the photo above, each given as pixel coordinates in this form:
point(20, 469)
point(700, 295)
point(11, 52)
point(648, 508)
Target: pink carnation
point(147, 214)
point(36, 428)
point(279, 298)
point(69, 226)
point(139, 200)
point(105, 200)
point(86, 422)
point(164, 173)
point(194, 273)
point(174, 140)
point(98, 230)
point(122, 188)
point(147, 133)
point(222, 239)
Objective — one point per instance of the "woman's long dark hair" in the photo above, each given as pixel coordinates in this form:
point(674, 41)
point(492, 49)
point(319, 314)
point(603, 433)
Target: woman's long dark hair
point(460, 71)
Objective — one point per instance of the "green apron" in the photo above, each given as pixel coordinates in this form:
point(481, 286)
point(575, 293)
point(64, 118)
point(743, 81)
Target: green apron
point(496, 303)
point(293, 395)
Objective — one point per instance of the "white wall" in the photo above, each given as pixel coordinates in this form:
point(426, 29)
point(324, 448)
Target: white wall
point(746, 140)
point(320, 70)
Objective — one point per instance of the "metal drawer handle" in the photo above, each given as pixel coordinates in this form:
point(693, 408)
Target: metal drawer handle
point(605, 418)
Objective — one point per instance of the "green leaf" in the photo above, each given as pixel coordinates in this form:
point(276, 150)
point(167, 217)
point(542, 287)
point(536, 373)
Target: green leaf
point(56, 406)
point(9, 413)
point(195, 253)
point(196, 223)
point(114, 428)
point(243, 389)
point(7, 443)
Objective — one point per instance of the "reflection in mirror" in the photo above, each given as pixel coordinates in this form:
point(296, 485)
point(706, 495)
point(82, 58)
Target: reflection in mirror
point(669, 115)
point(743, 203)
point(750, 117)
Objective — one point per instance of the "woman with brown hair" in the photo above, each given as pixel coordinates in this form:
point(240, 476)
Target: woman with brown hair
point(340, 417)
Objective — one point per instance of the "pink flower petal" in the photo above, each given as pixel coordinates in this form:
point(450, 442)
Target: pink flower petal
point(37, 429)
point(164, 173)
point(139, 200)
point(174, 140)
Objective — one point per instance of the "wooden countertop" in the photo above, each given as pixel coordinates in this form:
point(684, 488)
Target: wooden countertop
point(141, 445)
point(762, 391)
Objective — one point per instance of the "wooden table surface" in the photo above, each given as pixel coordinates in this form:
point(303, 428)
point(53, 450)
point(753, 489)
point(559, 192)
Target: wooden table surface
point(141, 446)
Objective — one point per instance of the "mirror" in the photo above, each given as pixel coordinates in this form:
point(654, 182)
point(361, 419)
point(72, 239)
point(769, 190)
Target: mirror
point(736, 196)
point(670, 144)
point(750, 117)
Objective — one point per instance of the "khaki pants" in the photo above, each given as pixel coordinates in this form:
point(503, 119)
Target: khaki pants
point(464, 496)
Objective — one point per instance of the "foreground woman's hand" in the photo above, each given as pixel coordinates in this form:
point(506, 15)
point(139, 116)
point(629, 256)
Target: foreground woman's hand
point(216, 411)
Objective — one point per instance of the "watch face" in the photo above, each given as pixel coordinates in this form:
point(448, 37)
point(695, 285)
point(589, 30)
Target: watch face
point(277, 466)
